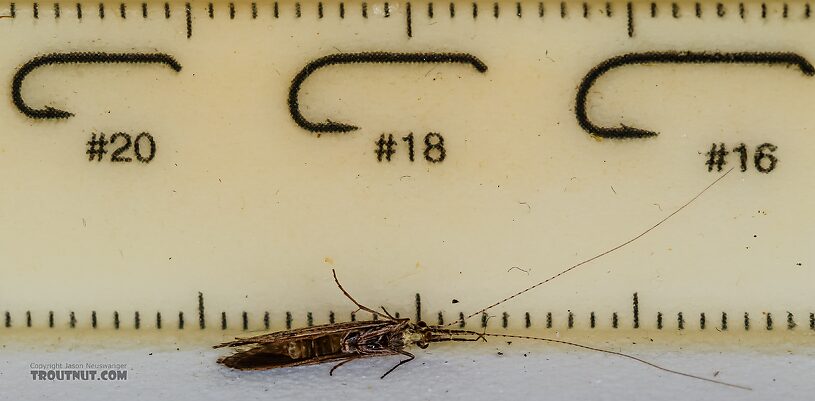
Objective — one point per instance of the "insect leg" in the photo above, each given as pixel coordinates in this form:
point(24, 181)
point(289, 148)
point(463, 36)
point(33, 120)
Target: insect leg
point(331, 372)
point(405, 353)
point(360, 306)
point(386, 312)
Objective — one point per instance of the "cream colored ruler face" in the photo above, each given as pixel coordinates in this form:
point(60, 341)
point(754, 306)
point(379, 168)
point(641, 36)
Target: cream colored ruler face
point(179, 166)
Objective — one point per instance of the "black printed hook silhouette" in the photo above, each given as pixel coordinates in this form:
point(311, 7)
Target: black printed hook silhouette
point(623, 131)
point(358, 58)
point(77, 58)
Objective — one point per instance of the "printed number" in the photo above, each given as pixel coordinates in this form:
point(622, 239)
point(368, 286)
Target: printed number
point(116, 156)
point(764, 160)
point(434, 150)
point(137, 147)
point(144, 147)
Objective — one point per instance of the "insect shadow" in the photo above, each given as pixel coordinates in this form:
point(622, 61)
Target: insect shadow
point(341, 343)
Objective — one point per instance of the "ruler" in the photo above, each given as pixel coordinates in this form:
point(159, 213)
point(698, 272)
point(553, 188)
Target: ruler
point(190, 165)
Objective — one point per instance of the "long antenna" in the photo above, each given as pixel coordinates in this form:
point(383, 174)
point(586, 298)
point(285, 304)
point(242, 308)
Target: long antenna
point(593, 258)
point(651, 364)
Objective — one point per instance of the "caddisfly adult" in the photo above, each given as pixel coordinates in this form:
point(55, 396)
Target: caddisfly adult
point(340, 343)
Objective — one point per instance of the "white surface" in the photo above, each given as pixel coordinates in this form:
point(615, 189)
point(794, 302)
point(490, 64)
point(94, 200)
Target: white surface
point(473, 372)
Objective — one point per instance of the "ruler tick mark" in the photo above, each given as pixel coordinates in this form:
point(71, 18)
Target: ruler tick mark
point(123, 10)
point(418, 307)
point(93, 319)
point(409, 20)
point(223, 320)
point(769, 321)
point(680, 321)
point(36, 10)
point(158, 320)
point(201, 319)
point(56, 10)
point(72, 320)
point(144, 10)
point(115, 320)
point(245, 319)
point(166, 10)
point(137, 320)
point(630, 13)
point(790, 321)
point(255, 10)
point(232, 10)
point(188, 19)
point(266, 319)
point(181, 320)
point(101, 10)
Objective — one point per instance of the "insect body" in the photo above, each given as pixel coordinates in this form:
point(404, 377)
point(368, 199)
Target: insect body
point(339, 342)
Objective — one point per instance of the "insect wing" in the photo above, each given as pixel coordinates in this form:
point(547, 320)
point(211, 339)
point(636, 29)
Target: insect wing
point(306, 332)
point(271, 356)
